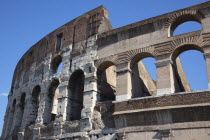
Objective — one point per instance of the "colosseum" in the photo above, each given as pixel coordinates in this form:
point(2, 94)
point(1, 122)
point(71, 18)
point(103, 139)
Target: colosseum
point(103, 90)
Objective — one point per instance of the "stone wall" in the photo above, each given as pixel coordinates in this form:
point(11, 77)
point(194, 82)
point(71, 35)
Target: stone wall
point(104, 90)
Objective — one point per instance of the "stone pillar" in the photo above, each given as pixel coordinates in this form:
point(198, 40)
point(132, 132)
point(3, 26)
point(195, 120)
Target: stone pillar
point(41, 109)
point(165, 77)
point(18, 116)
point(207, 58)
point(89, 97)
point(63, 108)
point(123, 87)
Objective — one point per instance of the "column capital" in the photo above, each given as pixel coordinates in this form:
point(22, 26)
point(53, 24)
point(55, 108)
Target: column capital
point(123, 68)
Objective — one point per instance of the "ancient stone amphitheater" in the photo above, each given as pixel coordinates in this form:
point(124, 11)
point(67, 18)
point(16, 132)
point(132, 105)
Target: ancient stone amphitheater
point(103, 91)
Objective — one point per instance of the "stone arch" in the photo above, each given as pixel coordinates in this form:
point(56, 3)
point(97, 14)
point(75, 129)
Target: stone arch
point(56, 62)
point(22, 108)
point(182, 48)
point(180, 81)
point(141, 81)
point(106, 81)
point(35, 103)
point(51, 102)
point(183, 16)
point(75, 95)
point(138, 57)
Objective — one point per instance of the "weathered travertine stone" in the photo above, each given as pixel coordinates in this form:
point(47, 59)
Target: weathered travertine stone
point(103, 90)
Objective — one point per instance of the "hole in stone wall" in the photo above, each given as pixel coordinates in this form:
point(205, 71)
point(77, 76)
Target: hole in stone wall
point(189, 68)
point(76, 89)
point(186, 27)
point(106, 83)
point(22, 108)
point(14, 104)
point(143, 78)
point(52, 103)
point(59, 68)
point(35, 103)
point(59, 40)
point(56, 64)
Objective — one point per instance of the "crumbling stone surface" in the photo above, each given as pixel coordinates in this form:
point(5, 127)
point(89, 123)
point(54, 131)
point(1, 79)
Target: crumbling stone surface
point(174, 100)
point(47, 130)
point(70, 127)
point(105, 110)
point(91, 97)
point(96, 121)
point(28, 133)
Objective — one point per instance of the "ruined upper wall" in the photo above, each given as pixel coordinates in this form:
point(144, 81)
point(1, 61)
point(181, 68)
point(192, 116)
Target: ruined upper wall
point(74, 32)
point(164, 24)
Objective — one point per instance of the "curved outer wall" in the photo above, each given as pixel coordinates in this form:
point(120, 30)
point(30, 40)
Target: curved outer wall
point(45, 104)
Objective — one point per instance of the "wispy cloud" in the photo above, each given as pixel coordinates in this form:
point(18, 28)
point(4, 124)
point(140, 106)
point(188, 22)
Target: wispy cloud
point(3, 94)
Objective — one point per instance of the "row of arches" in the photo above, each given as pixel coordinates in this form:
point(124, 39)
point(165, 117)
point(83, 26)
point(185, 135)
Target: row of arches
point(75, 103)
point(143, 77)
point(189, 69)
point(143, 81)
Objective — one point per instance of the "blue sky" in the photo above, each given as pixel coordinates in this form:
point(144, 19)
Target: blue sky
point(24, 22)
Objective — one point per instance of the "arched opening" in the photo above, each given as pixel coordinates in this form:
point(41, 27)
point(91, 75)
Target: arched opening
point(14, 105)
point(22, 107)
point(56, 64)
point(184, 24)
point(189, 67)
point(52, 102)
point(106, 82)
point(186, 27)
point(143, 78)
point(76, 89)
point(35, 103)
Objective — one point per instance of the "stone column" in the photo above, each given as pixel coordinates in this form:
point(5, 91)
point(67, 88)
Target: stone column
point(89, 101)
point(165, 77)
point(18, 116)
point(41, 109)
point(63, 109)
point(123, 86)
point(207, 58)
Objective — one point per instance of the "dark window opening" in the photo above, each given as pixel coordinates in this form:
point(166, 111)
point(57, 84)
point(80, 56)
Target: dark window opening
point(76, 89)
point(59, 40)
point(35, 103)
point(22, 108)
point(56, 64)
point(51, 105)
point(14, 104)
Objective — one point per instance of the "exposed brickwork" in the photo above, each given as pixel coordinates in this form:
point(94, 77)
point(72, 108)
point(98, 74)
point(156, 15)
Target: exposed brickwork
point(164, 101)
